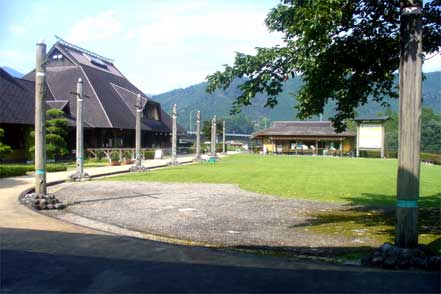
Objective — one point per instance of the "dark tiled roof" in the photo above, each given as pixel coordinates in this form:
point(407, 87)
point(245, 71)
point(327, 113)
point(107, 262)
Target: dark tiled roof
point(111, 97)
point(17, 99)
point(301, 128)
point(58, 104)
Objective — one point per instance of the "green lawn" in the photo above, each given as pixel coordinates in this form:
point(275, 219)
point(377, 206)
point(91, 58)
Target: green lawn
point(351, 180)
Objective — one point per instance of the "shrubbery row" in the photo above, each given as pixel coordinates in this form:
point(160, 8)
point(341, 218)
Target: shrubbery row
point(12, 170)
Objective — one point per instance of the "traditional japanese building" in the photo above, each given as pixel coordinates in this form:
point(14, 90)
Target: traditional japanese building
point(109, 106)
point(304, 137)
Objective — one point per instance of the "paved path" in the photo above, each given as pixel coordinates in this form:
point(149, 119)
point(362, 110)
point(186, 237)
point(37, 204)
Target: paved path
point(41, 254)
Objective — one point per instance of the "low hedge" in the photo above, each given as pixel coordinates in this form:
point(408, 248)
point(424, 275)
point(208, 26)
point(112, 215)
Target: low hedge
point(13, 170)
point(435, 158)
point(149, 154)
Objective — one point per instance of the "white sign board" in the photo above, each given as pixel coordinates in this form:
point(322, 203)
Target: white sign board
point(370, 136)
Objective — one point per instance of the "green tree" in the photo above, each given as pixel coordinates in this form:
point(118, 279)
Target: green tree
point(346, 52)
point(56, 131)
point(4, 149)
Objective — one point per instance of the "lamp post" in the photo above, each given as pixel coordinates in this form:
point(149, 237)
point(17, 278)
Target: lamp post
point(174, 136)
point(198, 135)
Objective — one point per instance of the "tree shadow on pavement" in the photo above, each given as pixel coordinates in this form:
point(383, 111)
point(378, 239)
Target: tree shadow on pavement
point(42, 261)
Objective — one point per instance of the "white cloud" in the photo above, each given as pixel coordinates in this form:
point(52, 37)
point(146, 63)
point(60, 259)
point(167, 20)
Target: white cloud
point(102, 27)
point(16, 59)
point(16, 30)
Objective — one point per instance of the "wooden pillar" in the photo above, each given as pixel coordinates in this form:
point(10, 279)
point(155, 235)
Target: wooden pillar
point(341, 147)
point(223, 137)
point(382, 140)
point(174, 136)
point(139, 110)
point(406, 234)
point(40, 120)
point(316, 147)
point(358, 140)
point(198, 135)
point(79, 131)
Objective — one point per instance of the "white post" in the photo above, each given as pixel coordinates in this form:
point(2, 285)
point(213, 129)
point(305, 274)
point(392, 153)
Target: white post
point(198, 135)
point(139, 110)
point(40, 120)
point(174, 136)
point(223, 137)
point(79, 147)
point(213, 136)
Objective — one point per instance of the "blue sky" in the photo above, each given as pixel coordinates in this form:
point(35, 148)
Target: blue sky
point(159, 45)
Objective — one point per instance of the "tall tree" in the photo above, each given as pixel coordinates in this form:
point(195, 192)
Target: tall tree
point(344, 50)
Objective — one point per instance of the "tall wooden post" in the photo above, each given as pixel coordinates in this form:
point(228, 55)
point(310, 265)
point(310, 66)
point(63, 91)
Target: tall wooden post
point(213, 136)
point(139, 109)
point(406, 234)
point(174, 136)
point(223, 137)
point(79, 131)
point(198, 135)
point(40, 120)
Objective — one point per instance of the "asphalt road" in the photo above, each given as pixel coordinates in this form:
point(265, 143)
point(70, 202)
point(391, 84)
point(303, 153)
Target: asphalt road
point(35, 261)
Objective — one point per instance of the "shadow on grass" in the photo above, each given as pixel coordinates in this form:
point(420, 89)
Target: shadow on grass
point(374, 223)
point(369, 199)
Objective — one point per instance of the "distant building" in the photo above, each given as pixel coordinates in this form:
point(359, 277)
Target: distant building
point(304, 137)
point(109, 109)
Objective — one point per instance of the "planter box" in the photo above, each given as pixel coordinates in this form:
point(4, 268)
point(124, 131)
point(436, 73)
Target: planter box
point(129, 162)
point(113, 163)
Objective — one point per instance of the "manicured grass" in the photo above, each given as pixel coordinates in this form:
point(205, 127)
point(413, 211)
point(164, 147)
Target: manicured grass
point(13, 170)
point(340, 180)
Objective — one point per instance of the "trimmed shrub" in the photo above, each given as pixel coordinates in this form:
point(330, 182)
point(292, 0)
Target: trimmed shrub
point(14, 170)
point(114, 156)
point(149, 154)
point(434, 158)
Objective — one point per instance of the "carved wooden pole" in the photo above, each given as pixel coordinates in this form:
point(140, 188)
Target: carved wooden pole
point(213, 136)
point(40, 120)
point(198, 135)
point(139, 110)
point(223, 137)
point(406, 234)
point(79, 131)
point(174, 136)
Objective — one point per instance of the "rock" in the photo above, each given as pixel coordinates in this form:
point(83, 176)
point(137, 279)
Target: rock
point(50, 206)
point(434, 263)
point(365, 260)
point(426, 249)
point(43, 205)
point(43, 201)
point(377, 253)
point(390, 262)
point(378, 260)
point(60, 205)
point(403, 263)
point(386, 247)
point(418, 262)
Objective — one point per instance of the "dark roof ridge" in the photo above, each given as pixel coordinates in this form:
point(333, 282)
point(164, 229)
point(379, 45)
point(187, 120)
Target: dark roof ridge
point(82, 50)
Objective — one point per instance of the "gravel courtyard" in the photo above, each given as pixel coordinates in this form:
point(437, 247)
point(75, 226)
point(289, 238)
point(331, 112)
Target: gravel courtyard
point(218, 214)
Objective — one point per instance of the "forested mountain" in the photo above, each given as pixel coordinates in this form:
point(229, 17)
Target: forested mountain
point(220, 102)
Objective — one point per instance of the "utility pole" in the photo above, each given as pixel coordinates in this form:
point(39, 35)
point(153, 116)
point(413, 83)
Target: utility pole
point(174, 137)
point(198, 135)
point(406, 234)
point(213, 136)
point(223, 137)
point(40, 120)
point(79, 149)
point(139, 110)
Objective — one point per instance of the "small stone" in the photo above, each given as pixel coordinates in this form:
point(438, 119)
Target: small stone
point(50, 206)
point(43, 201)
point(418, 262)
point(378, 260)
point(386, 247)
point(50, 196)
point(60, 205)
point(434, 263)
point(403, 263)
point(377, 253)
point(43, 205)
point(50, 201)
point(390, 262)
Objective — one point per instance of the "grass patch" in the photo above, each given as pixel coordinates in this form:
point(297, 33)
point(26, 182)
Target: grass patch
point(341, 180)
point(87, 163)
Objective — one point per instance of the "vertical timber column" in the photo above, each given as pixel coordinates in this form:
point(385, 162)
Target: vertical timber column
point(213, 136)
point(79, 149)
point(406, 234)
point(174, 136)
point(223, 137)
point(382, 140)
point(138, 131)
point(358, 140)
point(40, 120)
point(198, 135)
